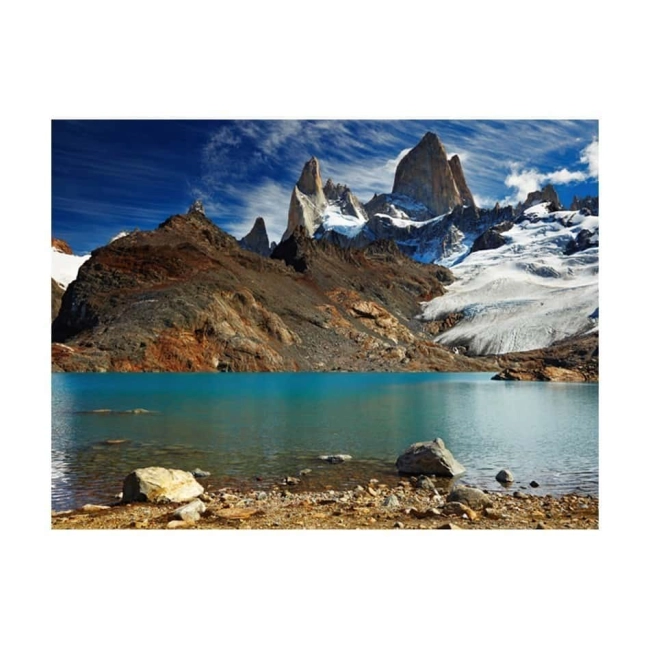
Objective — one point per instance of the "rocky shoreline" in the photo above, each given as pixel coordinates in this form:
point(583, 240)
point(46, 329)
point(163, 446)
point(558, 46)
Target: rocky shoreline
point(415, 503)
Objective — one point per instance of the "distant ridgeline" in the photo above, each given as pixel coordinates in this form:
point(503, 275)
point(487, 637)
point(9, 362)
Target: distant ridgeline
point(350, 286)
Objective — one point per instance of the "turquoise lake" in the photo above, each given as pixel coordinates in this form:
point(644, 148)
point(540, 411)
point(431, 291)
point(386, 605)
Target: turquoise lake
point(254, 429)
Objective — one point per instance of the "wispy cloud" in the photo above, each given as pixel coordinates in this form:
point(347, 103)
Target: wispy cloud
point(269, 200)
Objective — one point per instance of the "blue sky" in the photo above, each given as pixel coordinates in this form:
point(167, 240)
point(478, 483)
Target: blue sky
point(115, 175)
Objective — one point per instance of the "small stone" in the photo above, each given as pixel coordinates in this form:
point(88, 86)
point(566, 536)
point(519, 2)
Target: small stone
point(304, 472)
point(176, 523)
point(359, 490)
point(534, 484)
point(391, 501)
point(505, 476)
point(492, 513)
point(191, 512)
point(261, 496)
point(521, 495)
point(372, 492)
point(541, 526)
point(426, 483)
point(291, 480)
point(199, 473)
point(91, 507)
point(140, 524)
point(398, 524)
point(448, 526)
point(472, 497)
point(460, 509)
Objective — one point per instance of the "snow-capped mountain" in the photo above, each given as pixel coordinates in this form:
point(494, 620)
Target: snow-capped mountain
point(527, 276)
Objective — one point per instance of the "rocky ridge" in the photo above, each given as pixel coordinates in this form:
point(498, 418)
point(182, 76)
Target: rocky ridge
point(186, 297)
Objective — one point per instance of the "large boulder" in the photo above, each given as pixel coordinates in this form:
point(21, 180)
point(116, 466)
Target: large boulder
point(160, 485)
point(431, 458)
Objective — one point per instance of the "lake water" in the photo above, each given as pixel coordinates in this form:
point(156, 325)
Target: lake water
point(254, 429)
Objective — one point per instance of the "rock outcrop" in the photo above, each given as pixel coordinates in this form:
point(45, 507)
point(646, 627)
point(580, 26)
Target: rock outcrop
point(426, 176)
point(307, 200)
point(341, 196)
point(430, 458)
point(589, 203)
point(61, 246)
point(546, 195)
point(257, 240)
point(572, 360)
point(160, 485)
point(491, 238)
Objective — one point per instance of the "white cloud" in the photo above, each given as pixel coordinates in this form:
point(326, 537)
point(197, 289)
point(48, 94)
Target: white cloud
point(589, 155)
point(529, 180)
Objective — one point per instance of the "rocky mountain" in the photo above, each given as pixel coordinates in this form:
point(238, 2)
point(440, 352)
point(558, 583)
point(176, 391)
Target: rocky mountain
point(257, 240)
point(418, 279)
point(187, 297)
point(527, 276)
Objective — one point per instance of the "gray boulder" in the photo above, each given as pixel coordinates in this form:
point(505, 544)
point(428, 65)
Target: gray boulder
point(472, 497)
point(431, 458)
point(160, 485)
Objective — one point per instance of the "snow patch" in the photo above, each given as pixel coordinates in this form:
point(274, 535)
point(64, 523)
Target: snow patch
point(66, 267)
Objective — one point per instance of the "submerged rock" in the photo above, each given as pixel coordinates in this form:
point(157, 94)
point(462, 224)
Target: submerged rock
point(335, 458)
point(505, 476)
point(160, 485)
point(199, 473)
point(431, 458)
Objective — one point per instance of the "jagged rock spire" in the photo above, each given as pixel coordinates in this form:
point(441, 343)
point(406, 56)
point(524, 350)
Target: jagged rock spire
point(461, 183)
point(425, 175)
point(307, 200)
point(257, 240)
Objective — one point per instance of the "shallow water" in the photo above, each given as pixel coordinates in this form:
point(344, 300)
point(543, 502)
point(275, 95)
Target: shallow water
point(254, 429)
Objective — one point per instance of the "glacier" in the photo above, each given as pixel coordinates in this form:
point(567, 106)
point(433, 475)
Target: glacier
point(528, 293)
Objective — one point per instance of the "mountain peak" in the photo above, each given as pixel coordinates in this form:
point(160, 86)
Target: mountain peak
point(310, 181)
point(425, 175)
point(257, 240)
point(307, 200)
point(459, 179)
point(197, 208)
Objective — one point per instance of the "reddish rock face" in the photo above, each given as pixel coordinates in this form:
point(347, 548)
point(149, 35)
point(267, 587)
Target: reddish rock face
point(425, 175)
point(61, 246)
